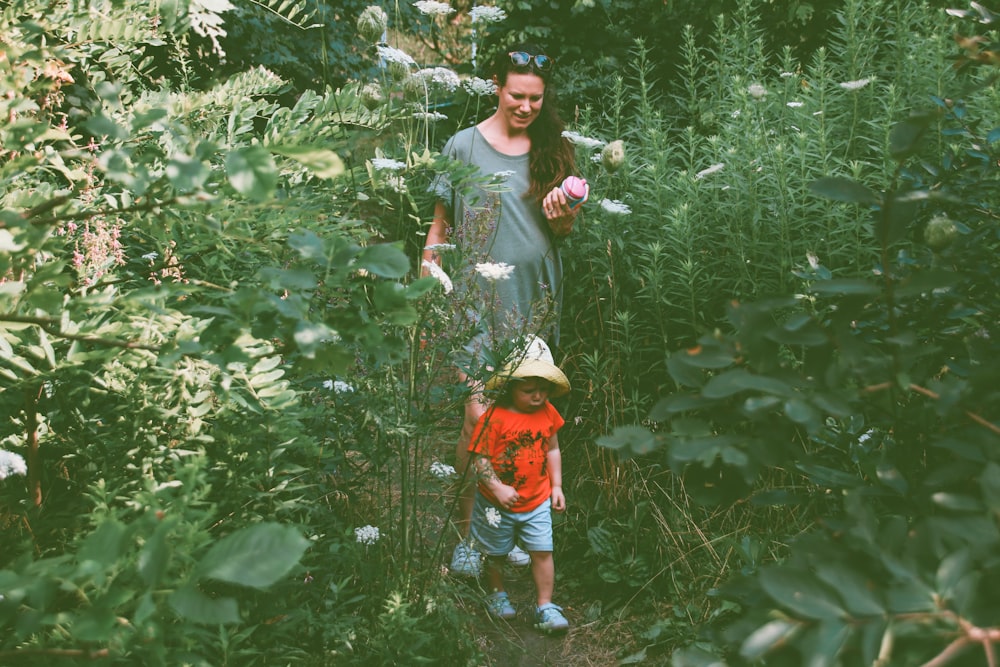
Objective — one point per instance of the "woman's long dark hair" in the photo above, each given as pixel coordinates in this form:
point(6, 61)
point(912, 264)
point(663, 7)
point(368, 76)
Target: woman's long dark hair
point(552, 157)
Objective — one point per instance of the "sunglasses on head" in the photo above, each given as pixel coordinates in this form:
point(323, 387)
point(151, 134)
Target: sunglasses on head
point(522, 59)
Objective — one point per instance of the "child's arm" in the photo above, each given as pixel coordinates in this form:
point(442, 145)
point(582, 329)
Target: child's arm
point(504, 494)
point(554, 457)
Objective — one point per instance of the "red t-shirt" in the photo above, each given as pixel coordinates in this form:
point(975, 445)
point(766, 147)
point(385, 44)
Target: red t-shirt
point(517, 445)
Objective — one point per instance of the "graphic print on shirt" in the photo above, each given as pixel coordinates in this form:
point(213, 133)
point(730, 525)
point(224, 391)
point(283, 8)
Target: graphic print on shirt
point(521, 452)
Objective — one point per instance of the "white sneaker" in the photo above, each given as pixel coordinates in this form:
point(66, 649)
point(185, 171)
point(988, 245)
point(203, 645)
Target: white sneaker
point(518, 558)
point(466, 561)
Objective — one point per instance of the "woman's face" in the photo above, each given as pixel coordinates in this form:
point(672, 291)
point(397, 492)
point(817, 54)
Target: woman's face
point(520, 99)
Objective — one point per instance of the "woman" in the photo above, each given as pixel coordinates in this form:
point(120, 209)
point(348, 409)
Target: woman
point(522, 144)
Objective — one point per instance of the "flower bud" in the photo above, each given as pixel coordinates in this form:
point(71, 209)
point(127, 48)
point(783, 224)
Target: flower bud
point(371, 96)
point(372, 23)
point(940, 232)
point(613, 156)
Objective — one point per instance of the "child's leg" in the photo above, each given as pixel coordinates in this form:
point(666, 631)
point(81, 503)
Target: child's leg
point(494, 573)
point(543, 570)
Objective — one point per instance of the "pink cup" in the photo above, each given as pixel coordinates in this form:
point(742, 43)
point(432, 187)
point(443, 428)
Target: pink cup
point(576, 190)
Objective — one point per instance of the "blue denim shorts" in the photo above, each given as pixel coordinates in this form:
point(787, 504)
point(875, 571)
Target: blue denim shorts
point(532, 529)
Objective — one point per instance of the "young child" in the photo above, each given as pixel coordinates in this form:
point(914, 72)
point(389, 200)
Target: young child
point(516, 455)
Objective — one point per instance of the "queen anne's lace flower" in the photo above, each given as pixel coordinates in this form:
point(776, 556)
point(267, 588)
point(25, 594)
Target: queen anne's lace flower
point(487, 14)
point(793, 105)
point(477, 86)
point(439, 273)
point(387, 164)
point(394, 55)
point(855, 85)
point(432, 8)
point(367, 535)
point(757, 91)
point(494, 272)
point(338, 386)
point(442, 470)
point(711, 170)
point(578, 139)
point(429, 116)
point(437, 79)
point(615, 207)
point(11, 464)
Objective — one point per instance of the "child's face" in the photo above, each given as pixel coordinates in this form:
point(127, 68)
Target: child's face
point(529, 395)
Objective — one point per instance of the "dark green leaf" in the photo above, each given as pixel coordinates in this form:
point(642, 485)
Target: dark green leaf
point(104, 545)
point(767, 637)
point(385, 260)
point(843, 286)
point(855, 591)
point(186, 174)
point(801, 593)
point(630, 441)
point(252, 172)
point(843, 189)
point(193, 605)
point(904, 137)
point(738, 380)
point(322, 162)
point(256, 556)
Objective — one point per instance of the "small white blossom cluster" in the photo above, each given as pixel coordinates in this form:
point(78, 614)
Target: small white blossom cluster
point(432, 8)
point(438, 78)
point(338, 386)
point(394, 55)
point(711, 170)
point(578, 139)
point(429, 116)
point(793, 105)
point(615, 207)
point(442, 277)
point(855, 85)
point(502, 176)
point(481, 87)
point(494, 272)
point(787, 75)
point(487, 14)
point(396, 183)
point(367, 535)
point(387, 164)
point(440, 247)
point(442, 470)
point(493, 516)
point(757, 91)
point(11, 464)
point(150, 256)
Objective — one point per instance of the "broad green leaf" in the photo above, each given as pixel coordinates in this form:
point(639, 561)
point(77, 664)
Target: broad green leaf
point(842, 286)
point(738, 380)
point(322, 162)
point(8, 244)
point(104, 545)
point(252, 172)
point(630, 441)
point(385, 260)
point(800, 412)
point(768, 636)
point(193, 605)
point(989, 482)
point(830, 477)
point(601, 542)
point(957, 501)
point(256, 556)
point(843, 189)
point(801, 593)
point(186, 173)
point(853, 588)
point(155, 553)
point(905, 136)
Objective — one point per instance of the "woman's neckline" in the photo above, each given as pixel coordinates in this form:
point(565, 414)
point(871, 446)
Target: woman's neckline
point(494, 148)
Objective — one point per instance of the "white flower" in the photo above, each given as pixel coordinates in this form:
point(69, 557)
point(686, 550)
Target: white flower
point(338, 386)
point(735, 114)
point(855, 85)
point(442, 247)
point(367, 535)
point(615, 207)
point(438, 77)
point(786, 75)
point(387, 164)
point(494, 272)
point(437, 272)
point(150, 256)
point(502, 176)
point(477, 86)
point(432, 8)
point(757, 91)
point(578, 139)
point(813, 260)
point(866, 436)
point(442, 470)
point(493, 516)
point(711, 170)
point(396, 183)
point(11, 464)
point(393, 55)
point(793, 105)
point(429, 116)
point(487, 14)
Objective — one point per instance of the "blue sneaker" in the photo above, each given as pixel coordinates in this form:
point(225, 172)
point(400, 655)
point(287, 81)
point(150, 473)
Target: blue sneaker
point(499, 605)
point(549, 618)
point(466, 561)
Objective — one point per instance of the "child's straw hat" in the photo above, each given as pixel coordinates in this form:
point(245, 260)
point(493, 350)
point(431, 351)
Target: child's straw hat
point(532, 360)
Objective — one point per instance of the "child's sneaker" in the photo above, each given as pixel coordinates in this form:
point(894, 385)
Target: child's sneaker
point(518, 557)
point(549, 618)
point(466, 561)
point(500, 606)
